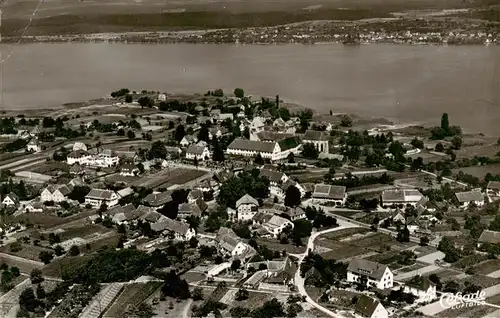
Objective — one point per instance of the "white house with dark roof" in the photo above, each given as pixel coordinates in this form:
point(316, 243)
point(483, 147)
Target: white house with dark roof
point(318, 138)
point(128, 170)
point(199, 152)
point(372, 274)
point(55, 194)
point(34, 146)
point(276, 225)
point(493, 190)
point(332, 193)
point(393, 197)
point(268, 150)
point(187, 140)
point(157, 199)
point(368, 307)
point(421, 286)
point(489, 237)
point(81, 157)
point(246, 207)
point(96, 197)
point(188, 209)
point(178, 230)
point(470, 197)
point(11, 200)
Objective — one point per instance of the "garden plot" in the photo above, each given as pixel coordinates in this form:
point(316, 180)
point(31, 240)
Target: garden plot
point(489, 268)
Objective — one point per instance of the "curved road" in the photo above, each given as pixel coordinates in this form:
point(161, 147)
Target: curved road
point(300, 282)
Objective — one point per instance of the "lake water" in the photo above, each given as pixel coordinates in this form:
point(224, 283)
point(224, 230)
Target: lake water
point(401, 82)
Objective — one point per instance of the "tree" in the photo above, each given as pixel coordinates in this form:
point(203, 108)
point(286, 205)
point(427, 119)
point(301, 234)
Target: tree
point(239, 312)
point(130, 134)
point(259, 160)
point(218, 151)
point(495, 224)
point(28, 301)
point(238, 92)
point(439, 147)
point(424, 240)
point(445, 123)
point(179, 133)
point(456, 142)
point(128, 98)
point(59, 250)
point(120, 132)
point(291, 158)
point(235, 265)
point(284, 114)
point(46, 256)
point(74, 250)
point(36, 276)
point(145, 101)
point(246, 132)
point(103, 208)
point(242, 294)
point(197, 294)
point(292, 196)
point(269, 309)
point(301, 228)
point(15, 271)
point(175, 287)
point(204, 134)
point(309, 151)
point(345, 121)
point(193, 242)
point(40, 292)
point(417, 143)
point(403, 235)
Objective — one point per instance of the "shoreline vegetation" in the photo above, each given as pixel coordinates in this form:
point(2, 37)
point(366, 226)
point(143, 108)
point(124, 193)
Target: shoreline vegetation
point(348, 26)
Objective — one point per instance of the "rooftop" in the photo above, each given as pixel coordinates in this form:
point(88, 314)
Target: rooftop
point(325, 191)
point(250, 145)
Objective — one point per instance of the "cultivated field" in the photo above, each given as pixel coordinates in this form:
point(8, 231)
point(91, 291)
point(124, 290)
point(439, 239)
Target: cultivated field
point(66, 264)
point(67, 16)
point(169, 177)
point(132, 295)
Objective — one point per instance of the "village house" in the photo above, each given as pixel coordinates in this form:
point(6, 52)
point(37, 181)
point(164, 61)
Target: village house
point(267, 150)
point(121, 214)
point(421, 287)
point(246, 207)
point(331, 193)
point(257, 124)
point(470, 197)
point(368, 307)
point(493, 190)
point(80, 157)
point(194, 195)
point(79, 146)
point(276, 225)
point(178, 230)
point(395, 197)
point(488, 237)
point(217, 132)
point(198, 152)
point(317, 138)
point(269, 136)
point(231, 245)
point(157, 199)
point(11, 200)
point(34, 146)
point(128, 170)
point(362, 271)
point(55, 194)
point(188, 209)
point(224, 116)
point(97, 197)
point(34, 207)
point(296, 213)
point(187, 140)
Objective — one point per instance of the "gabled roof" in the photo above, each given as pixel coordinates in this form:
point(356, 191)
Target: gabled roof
point(420, 282)
point(157, 199)
point(64, 190)
point(267, 135)
point(277, 221)
point(272, 175)
point(191, 209)
point(250, 145)
point(170, 225)
point(13, 197)
point(78, 154)
point(469, 196)
point(325, 191)
point(491, 237)
point(289, 143)
point(261, 217)
point(366, 306)
point(314, 135)
point(368, 268)
point(493, 185)
point(247, 199)
point(100, 194)
point(196, 149)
